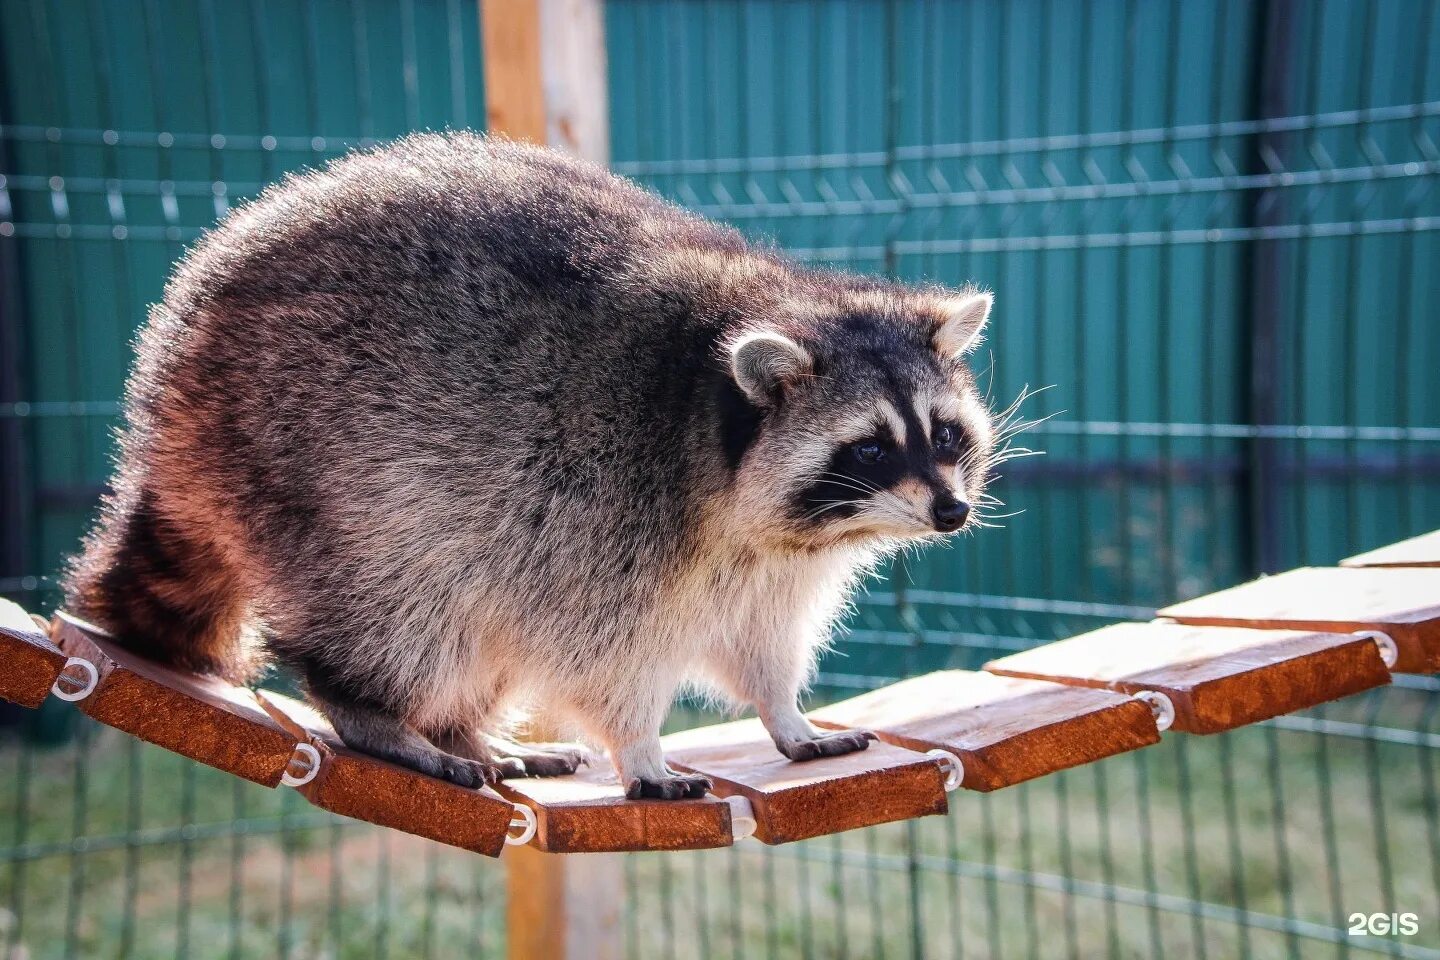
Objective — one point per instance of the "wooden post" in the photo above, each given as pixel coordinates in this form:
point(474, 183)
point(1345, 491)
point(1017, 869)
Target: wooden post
point(545, 73)
point(514, 95)
point(545, 82)
point(563, 906)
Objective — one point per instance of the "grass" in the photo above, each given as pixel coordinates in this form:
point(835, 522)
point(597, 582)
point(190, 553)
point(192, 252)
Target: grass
point(1201, 846)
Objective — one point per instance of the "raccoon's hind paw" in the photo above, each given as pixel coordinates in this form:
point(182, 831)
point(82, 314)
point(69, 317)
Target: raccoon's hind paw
point(677, 786)
point(541, 759)
point(828, 745)
point(476, 773)
point(553, 763)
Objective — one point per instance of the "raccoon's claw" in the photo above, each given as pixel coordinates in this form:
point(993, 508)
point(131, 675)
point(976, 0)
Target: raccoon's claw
point(474, 773)
point(677, 786)
point(466, 773)
point(828, 745)
point(511, 768)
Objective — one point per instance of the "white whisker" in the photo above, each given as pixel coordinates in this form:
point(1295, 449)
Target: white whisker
point(815, 514)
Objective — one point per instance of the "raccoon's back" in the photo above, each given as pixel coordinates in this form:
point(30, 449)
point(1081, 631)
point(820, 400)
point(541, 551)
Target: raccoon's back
point(449, 328)
point(437, 227)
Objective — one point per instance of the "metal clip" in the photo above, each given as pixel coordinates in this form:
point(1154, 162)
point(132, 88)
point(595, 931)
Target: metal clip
point(1389, 651)
point(954, 769)
point(527, 823)
point(306, 761)
point(71, 685)
point(1160, 705)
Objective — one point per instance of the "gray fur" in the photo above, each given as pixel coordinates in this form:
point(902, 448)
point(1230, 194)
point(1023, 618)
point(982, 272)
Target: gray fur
point(451, 427)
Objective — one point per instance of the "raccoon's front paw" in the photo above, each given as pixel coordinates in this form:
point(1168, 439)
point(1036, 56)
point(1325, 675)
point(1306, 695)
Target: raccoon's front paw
point(677, 786)
point(475, 773)
point(827, 745)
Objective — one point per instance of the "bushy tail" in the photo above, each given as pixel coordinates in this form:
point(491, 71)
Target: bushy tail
point(163, 593)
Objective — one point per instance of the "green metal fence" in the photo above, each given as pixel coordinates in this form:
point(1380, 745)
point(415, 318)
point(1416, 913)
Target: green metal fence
point(1210, 225)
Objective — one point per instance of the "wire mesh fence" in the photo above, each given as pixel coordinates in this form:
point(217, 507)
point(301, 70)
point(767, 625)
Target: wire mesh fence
point(1210, 227)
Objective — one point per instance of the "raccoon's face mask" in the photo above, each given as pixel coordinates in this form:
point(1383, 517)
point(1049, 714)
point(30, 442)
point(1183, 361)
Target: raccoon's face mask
point(876, 430)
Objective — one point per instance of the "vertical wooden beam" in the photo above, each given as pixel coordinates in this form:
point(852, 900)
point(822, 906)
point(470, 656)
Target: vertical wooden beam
point(545, 82)
point(573, 77)
point(545, 77)
point(514, 98)
point(563, 906)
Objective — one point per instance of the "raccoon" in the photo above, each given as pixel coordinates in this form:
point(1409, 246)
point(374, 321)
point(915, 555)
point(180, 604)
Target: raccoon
point(458, 425)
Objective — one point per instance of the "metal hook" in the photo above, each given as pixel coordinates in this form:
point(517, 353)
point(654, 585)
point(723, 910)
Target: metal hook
point(307, 760)
point(954, 769)
point(1389, 650)
point(1161, 706)
point(528, 824)
point(70, 687)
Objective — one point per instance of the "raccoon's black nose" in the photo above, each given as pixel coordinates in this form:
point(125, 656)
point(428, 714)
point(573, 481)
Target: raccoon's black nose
point(950, 514)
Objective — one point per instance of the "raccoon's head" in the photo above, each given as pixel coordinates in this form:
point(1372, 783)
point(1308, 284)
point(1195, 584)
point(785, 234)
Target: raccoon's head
point(869, 425)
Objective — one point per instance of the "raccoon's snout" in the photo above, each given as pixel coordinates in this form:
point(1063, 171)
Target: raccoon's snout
point(948, 513)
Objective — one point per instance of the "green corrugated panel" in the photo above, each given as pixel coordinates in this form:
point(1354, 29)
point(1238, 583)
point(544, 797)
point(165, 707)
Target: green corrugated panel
point(938, 140)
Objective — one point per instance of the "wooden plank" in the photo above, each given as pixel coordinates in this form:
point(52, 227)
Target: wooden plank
point(1421, 551)
point(1217, 678)
point(357, 785)
point(796, 801)
point(1402, 603)
point(29, 662)
point(587, 813)
point(198, 717)
point(1004, 730)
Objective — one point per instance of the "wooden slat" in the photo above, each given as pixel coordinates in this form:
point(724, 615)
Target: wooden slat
point(587, 813)
point(354, 784)
point(198, 717)
point(29, 662)
point(1004, 730)
point(796, 801)
point(1403, 603)
point(1218, 678)
point(1421, 551)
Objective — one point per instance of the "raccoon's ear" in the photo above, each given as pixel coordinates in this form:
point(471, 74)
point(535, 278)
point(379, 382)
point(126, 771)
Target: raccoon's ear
point(765, 363)
point(962, 321)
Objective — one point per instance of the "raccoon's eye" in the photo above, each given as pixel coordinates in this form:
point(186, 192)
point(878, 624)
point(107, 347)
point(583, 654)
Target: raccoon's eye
point(946, 437)
point(868, 452)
